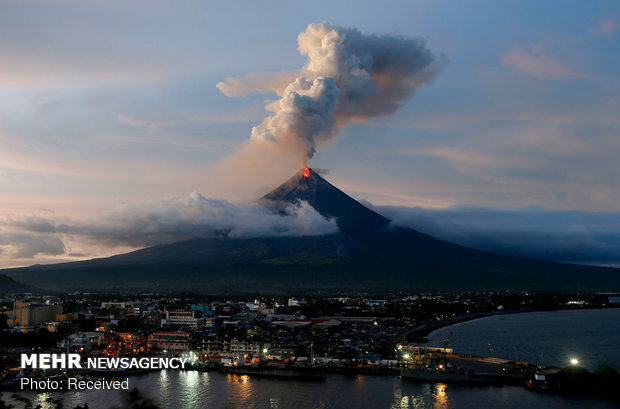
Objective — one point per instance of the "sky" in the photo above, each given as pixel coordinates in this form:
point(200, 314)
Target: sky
point(114, 134)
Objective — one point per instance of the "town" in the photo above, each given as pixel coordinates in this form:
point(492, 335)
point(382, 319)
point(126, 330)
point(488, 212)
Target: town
point(346, 333)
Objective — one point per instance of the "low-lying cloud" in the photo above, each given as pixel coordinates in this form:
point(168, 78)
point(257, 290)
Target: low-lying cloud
point(534, 232)
point(161, 222)
point(19, 244)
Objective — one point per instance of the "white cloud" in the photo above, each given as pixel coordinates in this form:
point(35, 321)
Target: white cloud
point(157, 222)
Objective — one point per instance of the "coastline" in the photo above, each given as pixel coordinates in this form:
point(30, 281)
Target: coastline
point(424, 330)
point(421, 332)
point(525, 338)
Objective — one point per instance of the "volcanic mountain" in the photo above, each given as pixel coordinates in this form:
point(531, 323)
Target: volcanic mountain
point(10, 286)
point(367, 254)
point(306, 185)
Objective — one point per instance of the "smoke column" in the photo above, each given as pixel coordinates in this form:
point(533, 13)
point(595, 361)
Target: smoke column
point(349, 76)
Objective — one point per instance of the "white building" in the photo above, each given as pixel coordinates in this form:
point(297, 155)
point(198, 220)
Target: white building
point(180, 318)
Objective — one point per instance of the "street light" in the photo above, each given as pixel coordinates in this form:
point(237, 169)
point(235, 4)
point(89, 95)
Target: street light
point(574, 361)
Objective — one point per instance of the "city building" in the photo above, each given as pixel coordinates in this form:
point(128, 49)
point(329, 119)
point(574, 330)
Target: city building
point(27, 315)
point(181, 318)
point(173, 342)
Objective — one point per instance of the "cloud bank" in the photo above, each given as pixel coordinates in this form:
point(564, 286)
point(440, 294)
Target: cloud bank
point(534, 232)
point(160, 222)
point(19, 244)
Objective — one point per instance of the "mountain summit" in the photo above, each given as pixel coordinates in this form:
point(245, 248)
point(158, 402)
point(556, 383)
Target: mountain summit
point(367, 254)
point(307, 185)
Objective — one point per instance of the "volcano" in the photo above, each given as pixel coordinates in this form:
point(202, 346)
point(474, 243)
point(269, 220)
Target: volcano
point(368, 254)
point(306, 185)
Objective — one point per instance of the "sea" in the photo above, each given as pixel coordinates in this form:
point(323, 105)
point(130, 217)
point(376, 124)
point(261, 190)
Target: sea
point(551, 338)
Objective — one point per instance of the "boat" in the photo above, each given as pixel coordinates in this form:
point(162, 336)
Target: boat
point(316, 373)
point(538, 383)
point(432, 365)
point(108, 372)
point(430, 374)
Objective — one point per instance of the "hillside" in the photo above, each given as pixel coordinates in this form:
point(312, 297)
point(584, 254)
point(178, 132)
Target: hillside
point(369, 254)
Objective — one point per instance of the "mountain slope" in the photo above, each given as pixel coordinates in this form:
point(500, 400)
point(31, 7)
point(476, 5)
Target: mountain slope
point(9, 286)
point(351, 216)
point(397, 259)
point(368, 254)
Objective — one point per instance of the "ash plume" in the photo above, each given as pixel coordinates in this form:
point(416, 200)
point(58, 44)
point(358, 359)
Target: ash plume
point(348, 77)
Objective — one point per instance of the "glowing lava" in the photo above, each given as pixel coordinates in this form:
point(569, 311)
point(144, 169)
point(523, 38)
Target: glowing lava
point(306, 172)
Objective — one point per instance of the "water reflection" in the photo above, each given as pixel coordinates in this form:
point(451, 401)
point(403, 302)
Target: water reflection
point(190, 387)
point(241, 389)
point(404, 401)
point(190, 380)
point(41, 400)
point(418, 395)
point(441, 397)
point(166, 387)
point(218, 391)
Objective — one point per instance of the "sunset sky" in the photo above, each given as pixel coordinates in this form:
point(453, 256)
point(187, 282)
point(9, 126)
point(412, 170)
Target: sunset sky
point(110, 118)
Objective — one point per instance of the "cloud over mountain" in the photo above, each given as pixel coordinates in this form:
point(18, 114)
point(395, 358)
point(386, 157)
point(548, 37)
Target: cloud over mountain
point(533, 232)
point(160, 222)
point(19, 244)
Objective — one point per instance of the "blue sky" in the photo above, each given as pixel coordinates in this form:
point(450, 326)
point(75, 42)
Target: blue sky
point(109, 104)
